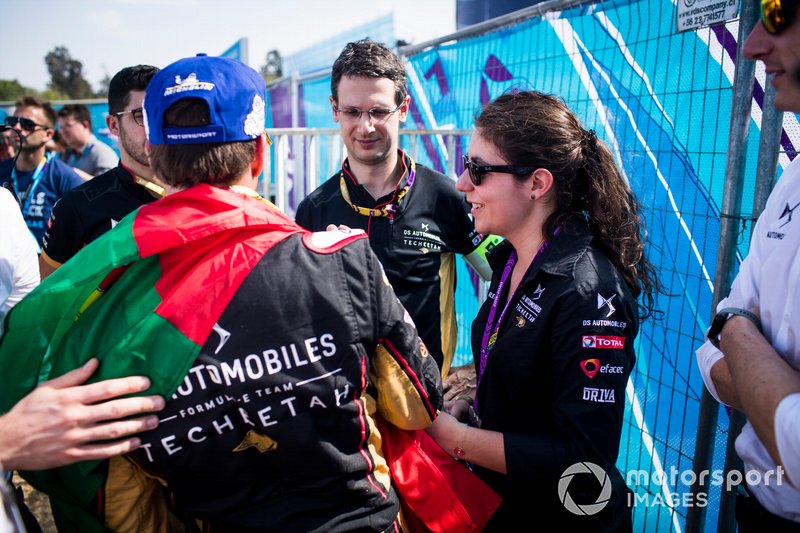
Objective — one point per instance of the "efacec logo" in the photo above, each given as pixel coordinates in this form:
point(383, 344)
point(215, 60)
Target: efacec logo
point(591, 367)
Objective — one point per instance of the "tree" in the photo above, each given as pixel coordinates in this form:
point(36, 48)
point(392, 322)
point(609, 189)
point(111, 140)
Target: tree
point(104, 83)
point(10, 90)
point(66, 74)
point(273, 69)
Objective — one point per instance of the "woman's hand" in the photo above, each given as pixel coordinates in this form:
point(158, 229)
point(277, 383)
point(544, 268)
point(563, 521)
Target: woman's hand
point(447, 431)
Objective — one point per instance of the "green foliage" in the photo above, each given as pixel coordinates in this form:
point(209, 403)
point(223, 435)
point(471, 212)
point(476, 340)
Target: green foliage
point(104, 83)
point(12, 89)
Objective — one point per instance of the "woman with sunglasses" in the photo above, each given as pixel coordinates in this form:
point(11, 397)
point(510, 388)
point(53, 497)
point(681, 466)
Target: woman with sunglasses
point(554, 341)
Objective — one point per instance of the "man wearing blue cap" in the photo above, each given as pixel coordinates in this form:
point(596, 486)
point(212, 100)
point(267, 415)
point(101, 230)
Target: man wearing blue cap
point(277, 348)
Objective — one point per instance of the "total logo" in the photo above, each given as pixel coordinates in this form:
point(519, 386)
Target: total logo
point(591, 367)
point(603, 342)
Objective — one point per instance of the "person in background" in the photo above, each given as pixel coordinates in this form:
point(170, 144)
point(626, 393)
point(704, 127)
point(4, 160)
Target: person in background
point(415, 219)
point(272, 417)
point(84, 152)
point(553, 343)
point(7, 145)
point(58, 146)
point(86, 212)
point(751, 360)
point(37, 178)
point(19, 271)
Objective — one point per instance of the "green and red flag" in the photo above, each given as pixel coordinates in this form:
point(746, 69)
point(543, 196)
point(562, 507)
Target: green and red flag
point(142, 299)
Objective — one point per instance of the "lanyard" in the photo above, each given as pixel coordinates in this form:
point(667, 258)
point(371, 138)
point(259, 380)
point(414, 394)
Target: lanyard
point(74, 156)
point(492, 328)
point(145, 183)
point(388, 209)
point(24, 198)
point(241, 189)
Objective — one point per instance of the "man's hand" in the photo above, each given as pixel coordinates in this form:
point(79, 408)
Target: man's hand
point(61, 421)
point(340, 227)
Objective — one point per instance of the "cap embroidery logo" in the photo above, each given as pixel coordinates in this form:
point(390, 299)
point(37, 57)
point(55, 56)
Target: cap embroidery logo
point(190, 83)
point(590, 367)
point(254, 122)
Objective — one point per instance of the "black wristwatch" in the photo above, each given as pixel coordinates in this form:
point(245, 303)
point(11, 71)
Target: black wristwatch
point(722, 317)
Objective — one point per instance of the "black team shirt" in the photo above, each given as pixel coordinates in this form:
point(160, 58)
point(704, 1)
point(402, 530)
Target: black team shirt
point(416, 244)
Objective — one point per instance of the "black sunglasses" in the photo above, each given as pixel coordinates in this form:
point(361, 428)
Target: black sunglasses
point(476, 171)
point(777, 15)
point(25, 123)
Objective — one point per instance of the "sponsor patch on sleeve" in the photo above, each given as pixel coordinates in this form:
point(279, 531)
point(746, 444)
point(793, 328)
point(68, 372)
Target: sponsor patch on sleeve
point(603, 342)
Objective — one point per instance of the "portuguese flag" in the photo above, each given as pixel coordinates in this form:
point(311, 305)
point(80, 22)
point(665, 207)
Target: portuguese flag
point(142, 299)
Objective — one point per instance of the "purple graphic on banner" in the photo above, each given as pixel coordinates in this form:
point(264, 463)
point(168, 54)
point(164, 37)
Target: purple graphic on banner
point(728, 42)
point(437, 69)
point(427, 140)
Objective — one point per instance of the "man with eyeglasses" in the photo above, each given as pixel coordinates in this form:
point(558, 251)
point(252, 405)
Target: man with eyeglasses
point(37, 179)
point(88, 211)
point(84, 150)
point(751, 361)
point(415, 218)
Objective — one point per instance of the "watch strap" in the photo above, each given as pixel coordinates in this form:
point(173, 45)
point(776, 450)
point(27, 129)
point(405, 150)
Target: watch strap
point(723, 315)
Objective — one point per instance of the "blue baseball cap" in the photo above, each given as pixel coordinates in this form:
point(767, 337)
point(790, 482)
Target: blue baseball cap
point(235, 94)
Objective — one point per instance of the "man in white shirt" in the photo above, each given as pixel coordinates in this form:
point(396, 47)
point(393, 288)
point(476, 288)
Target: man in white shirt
point(19, 255)
point(752, 358)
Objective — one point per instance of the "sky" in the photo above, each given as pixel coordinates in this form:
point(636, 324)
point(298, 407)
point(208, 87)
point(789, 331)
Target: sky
point(107, 35)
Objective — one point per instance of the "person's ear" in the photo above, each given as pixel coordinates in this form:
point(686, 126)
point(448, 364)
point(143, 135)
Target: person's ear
point(541, 183)
point(257, 165)
point(404, 108)
point(113, 124)
point(333, 109)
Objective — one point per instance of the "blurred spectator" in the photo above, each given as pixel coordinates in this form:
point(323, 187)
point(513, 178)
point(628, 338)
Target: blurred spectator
point(7, 145)
point(37, 178)
point(84, 151)
point(86, 212)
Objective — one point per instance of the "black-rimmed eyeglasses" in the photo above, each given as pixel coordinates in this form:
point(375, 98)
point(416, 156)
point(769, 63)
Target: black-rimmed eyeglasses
point(137, 114)
point(24, 123)
point(477, 172)
point(378, 114)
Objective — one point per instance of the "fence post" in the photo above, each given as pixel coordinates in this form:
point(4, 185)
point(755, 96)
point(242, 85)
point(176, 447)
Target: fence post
point(771, 124)
point(730, 214)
